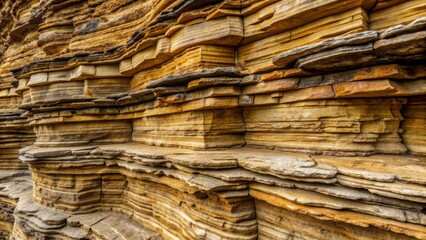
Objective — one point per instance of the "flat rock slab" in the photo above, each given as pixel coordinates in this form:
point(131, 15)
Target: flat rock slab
point(286, 58)
point(186, 77)
point(405, 45)
point(37, 152)
point(207, 160)
point(315, 199)
point(142, 150)
point(383, 168)
point(416, 25)
point(338, 58)
point(282, 166)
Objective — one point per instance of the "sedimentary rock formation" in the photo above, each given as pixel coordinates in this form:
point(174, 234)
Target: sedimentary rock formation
point(218, 119)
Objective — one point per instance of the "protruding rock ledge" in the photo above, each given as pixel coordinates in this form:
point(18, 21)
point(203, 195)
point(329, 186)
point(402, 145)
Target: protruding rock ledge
point(392, 190)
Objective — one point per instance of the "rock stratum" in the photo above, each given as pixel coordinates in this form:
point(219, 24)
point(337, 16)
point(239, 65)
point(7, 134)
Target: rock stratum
point(212, 119)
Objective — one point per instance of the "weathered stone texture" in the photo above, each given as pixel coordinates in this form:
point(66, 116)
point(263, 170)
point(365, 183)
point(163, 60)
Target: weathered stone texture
point(212, 119)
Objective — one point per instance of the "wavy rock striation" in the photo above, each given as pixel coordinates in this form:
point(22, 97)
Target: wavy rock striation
point(218, 119)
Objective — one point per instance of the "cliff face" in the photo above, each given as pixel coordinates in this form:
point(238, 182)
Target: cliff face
point(212, 119)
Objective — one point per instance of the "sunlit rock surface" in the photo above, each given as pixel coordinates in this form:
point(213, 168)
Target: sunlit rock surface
point(218, 119)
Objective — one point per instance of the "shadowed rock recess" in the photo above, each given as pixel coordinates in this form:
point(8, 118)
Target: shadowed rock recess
point(212, 119)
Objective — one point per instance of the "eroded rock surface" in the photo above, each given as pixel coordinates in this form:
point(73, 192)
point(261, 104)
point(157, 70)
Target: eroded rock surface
point(219, 119)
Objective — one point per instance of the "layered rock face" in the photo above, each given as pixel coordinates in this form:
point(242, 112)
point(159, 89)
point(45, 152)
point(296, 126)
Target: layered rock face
point(218, 119)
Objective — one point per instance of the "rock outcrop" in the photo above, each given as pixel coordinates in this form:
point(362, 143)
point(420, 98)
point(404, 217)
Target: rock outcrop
point(218, 119)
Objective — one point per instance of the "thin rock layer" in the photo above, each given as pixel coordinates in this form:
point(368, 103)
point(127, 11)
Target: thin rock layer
point(219, 119)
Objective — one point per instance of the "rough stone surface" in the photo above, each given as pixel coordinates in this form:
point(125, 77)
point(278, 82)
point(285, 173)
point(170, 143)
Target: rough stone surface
point(218, 119)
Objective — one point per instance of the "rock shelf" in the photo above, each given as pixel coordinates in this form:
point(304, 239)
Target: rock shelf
point(218, 119)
